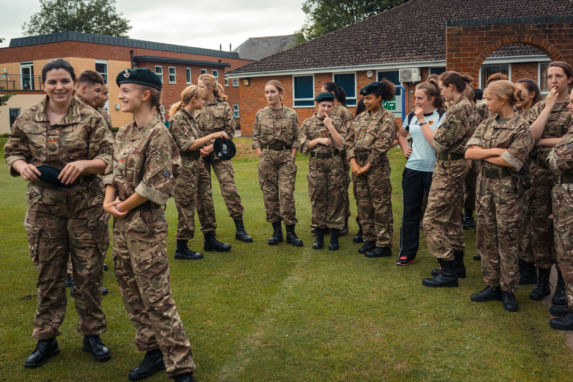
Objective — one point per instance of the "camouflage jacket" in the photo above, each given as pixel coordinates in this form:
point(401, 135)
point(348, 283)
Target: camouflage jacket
point(556, 126)
point(146, 161)
point(373, 133)
point(184, 129)
point(313, 128)
point(560, 158)
point(106, 116)
point(513, 135)
point(82, 134)
point(275, 126)
point(458, 125)
point(343, 113)
point(216, 116)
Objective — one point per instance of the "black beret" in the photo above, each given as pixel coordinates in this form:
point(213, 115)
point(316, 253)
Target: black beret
point(49, 174)
point(370, 88)
point(324, 96)
point(224, 148)
point(141, 76)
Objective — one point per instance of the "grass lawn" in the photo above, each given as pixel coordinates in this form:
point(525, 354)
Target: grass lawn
point(261, 313)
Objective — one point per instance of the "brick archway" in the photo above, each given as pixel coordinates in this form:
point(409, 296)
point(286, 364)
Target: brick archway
point(470, 41)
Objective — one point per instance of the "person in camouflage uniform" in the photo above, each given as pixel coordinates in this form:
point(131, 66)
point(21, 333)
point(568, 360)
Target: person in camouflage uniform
point(341, 111)
point(321, 137)
point(189, 139)
point(442, 229)
point(560, 160)
point(502, 143)
point(64, 217)
point(549, 120)
point(368, 140)
point(146, 163)
point(275, 140)
point(100, 106)
point(216, 116)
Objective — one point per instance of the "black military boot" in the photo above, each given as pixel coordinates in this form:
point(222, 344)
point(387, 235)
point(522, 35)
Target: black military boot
point(291, 237)
point(318, 238)
point(152, 362)
point(378, 252)
point(212, 244)
point(446, 278)
point(559, 310)
point(240, 232)
point(487, 294)
point(185, 377)
point(367, 246)
point(477, 257)
point(509, 302)
point(468, 221)
point(184, 253)
point(542, 289)
point(527, 273)
point(334, 233)
point(460, 268)
point(94, 345)
point(562, 323)
point(277, 234)
point(44, 350)
point(344, 231)
point(358, 237)
point(559, 295)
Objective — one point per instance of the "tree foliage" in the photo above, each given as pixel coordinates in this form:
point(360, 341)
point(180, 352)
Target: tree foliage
point(86, 16)
point(4, 98)
point(325, 16)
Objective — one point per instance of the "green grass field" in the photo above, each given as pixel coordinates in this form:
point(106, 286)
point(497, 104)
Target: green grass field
point(261, 313)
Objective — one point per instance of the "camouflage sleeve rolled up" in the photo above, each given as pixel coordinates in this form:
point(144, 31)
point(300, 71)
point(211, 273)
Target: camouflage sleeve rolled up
point(384, 138)
point(519, 150)
point(257, 132)
point(560, 158)
point(456, 129)
point(17, 146)
point(161, 163)
point(180, 129)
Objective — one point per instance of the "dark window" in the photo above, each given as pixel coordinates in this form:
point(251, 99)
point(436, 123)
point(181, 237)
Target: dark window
point(488, 70)
point(14, 113)
point(101, 68)
point(188, 75)
point(348, 83)
point(393, 76)
point(437, 71)
point(303, 91)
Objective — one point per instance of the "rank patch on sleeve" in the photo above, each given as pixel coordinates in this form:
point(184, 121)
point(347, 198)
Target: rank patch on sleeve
point(165, 173)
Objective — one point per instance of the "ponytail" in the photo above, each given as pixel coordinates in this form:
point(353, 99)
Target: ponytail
point(338, 92)
point(460, 81)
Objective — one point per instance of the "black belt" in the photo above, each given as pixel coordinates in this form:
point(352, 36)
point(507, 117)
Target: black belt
point(324, 155)
point(361, 155)
point(564, 178)
point(147, 206)
point(277, 146)
point(449, 156)
point(195, 154)
point(495, 172)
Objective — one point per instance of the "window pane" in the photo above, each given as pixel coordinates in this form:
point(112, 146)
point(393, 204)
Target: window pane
point(346, 81)
point(304, 103)
point(188, 74)
point(101, 68)
point(203, 71)
point(303, 88)
point(543, 85)
point(437, 71)
point(14, 113)
point(488, 70)
point(393, 76)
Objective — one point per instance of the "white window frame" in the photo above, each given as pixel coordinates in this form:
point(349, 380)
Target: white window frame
point(188, 79)
point(539, 74)
point(174, 74)
point(30, 65)
point(235, 82)
point(104, 75)
point(204, 71)
point(355, 87)
point(215, 74)
point(226, 80)
point(480, 75)
point(303, 99)
point(160, 72)
point(236, 112)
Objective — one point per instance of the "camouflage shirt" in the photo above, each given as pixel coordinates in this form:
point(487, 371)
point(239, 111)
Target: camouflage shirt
point(459, 123)
point(556, 126)
point(184, 129)
point(106, 116)
point(372, 133)
point(513, 135)
point(81, 135)
point(215, 116)
point(275, 126)
point(146, 161)
point(313, 128)
point(343, 113)
point(560, 158)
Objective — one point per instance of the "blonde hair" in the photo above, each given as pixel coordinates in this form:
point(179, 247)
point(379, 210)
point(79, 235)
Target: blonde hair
point(496, 77)
point(278, 86)
point(187, 95)
point(504, 89)
point(211, 82)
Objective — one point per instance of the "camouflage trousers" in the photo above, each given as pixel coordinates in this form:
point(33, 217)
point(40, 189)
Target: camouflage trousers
point(142, 272)
point(470, 189)
point(442, 220)
point(347, 179)
point(205, 205)
point(185, 196)
point(326, 184)
point(540, 221)
point(67, 223)
point(374, 203)
point(277, 177)
point(525, 244)
point(499, 230)
point(563, 222)
point(226, 176)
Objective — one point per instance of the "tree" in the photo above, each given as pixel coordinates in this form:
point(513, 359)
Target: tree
point(4, 98)
point(325, 16)
point(86, 16)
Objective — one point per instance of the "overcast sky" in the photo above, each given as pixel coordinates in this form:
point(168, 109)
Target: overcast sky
point(204, 24)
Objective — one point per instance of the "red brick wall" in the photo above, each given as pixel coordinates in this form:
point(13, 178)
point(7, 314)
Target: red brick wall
point(525, 70)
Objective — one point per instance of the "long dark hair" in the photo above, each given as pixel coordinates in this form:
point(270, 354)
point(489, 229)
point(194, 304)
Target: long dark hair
point(338, 92)
point(531, 86)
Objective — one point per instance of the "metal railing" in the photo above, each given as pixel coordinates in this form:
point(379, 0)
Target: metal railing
point(19, 82)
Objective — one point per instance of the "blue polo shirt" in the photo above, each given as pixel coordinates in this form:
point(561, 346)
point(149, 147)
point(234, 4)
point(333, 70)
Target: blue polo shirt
point(423, 156)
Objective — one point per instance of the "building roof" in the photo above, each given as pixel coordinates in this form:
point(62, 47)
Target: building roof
point(117, 41)
point(414, 32)
point(256, 48)
point(179, 61)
